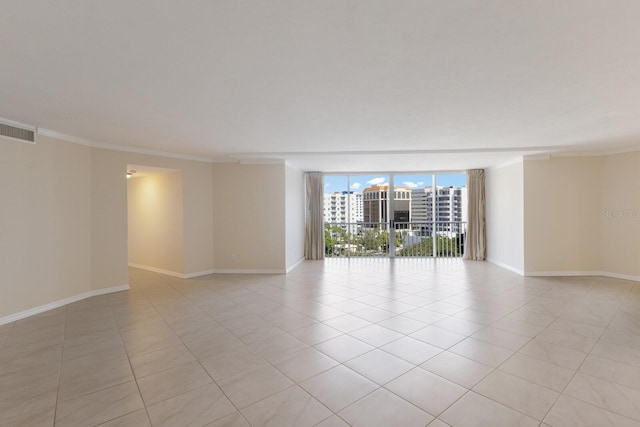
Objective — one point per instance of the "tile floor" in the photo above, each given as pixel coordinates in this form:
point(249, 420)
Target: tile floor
point(363, 342)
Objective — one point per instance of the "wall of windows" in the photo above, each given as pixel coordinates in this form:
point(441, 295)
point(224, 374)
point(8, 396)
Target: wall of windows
point(423, 215)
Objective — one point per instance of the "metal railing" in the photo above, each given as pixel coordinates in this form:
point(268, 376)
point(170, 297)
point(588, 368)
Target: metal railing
point(410, 239)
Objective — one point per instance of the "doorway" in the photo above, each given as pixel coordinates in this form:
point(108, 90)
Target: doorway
point(155, 219)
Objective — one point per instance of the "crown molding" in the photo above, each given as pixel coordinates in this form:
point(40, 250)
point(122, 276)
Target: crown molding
point(13, 123)
point(519, 159)
point(64, 137)
point(515, 150)
point(94, 144)
point(594, 153)
point(544, 152)
point(537, 157)
point(262, 161)
point(292, 166)
point(151, 152)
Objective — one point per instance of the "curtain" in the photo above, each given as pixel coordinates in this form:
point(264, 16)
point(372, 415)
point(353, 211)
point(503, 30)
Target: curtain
point(476, 243)
point(314, 233)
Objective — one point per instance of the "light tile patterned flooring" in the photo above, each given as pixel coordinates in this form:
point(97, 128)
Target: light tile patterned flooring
point(363, 342)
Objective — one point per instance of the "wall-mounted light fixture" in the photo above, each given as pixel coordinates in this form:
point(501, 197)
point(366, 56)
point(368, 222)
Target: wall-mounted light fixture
point(130, 173)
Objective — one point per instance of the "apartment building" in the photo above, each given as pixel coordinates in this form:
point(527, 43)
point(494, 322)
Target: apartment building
point(450, 207)
point(343, 206)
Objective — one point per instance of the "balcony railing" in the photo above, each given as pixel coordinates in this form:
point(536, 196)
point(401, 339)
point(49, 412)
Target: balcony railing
point(410, 239)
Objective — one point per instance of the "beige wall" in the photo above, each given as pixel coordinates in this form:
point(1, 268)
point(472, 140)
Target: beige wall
point(249, 207)
point(581, 215)
point(63, 222)
point(198, 214)
point(45, 223)
point(620, 213)
point(504, 187)
point(156, 221)
point(294, 215)
point(562, 214)
point(108, 219)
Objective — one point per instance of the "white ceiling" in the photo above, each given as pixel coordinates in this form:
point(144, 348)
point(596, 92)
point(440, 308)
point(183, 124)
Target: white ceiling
point(355, 84)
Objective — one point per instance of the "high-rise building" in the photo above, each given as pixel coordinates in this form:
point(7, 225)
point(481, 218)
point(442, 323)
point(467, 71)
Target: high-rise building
point(450, 207)
point(375, 204)
point(343, 207)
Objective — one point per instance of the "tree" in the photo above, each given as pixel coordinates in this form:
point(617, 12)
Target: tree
point(369, 240)
point(445, 246)
point(333, 235)
point(329, 242)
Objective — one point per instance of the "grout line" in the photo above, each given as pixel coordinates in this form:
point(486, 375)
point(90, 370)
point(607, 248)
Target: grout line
point(55, 411)
point(562, 393)
point(133, 373)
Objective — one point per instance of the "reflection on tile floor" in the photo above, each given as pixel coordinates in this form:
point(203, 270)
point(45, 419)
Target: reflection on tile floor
point(363, 342)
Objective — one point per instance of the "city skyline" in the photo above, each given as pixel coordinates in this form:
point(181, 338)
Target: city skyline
point(417, 205)
point(357, 183)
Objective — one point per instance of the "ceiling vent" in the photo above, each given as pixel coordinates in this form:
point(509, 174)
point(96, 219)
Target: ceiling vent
point(17, 131)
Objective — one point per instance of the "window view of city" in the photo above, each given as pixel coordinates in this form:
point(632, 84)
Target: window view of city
point(423, 216)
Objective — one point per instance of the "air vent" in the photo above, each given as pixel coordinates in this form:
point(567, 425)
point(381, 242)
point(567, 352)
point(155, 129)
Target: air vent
point(21, 133)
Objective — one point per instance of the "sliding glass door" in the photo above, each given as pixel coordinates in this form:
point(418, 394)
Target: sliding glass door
point(356, 215)
point(395, 215)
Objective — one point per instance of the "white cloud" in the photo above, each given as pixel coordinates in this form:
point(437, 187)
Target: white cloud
point(327, 184)
point(420, 183)
point(410, 184)
point(376, 181)
point(356, 185)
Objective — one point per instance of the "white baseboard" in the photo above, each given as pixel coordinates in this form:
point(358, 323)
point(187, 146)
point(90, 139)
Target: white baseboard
point(622, 276)
point(560, 273)
point(565, 273)
point(213, 271)
point(239, 271)
point(507, 267)
point(157, 270)
point(583, 273)
point(60, 303)
point(297, 263)
point(172, 273)
point(198, 274)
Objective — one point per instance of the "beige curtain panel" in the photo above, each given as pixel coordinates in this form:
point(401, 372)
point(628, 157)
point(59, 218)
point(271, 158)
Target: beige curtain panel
point(476, 244)
point(314, 233)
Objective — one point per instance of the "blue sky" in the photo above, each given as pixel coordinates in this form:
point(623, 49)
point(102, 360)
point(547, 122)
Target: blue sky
point(359, 182)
